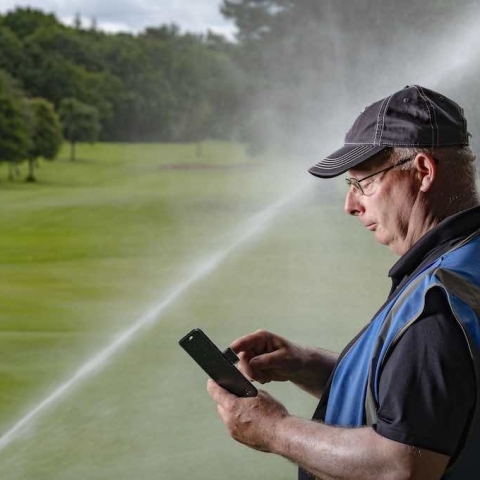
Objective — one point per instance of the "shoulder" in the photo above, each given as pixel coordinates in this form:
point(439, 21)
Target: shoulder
point(427, 384)
point(435, 327)
point(435, 340)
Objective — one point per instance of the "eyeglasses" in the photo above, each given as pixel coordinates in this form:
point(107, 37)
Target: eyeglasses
point(367, 189)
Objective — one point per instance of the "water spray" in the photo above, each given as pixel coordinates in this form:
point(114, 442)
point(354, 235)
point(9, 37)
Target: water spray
point(460, 58)
point(253, 227)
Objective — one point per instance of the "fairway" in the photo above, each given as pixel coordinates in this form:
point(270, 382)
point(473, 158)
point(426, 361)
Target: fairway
point(130, 231)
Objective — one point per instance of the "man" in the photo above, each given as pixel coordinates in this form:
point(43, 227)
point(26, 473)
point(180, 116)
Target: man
point(402, 400)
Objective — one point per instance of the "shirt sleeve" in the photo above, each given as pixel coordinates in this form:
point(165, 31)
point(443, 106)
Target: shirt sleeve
point(427, 387)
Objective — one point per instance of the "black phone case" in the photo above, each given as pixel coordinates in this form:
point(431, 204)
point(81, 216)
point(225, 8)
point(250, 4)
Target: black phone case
point(217, 366)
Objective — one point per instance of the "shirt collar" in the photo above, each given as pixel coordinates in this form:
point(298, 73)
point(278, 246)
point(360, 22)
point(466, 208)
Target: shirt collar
point(436, 242)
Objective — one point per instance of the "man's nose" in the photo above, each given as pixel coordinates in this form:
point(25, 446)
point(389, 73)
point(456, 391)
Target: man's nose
point(353, 204)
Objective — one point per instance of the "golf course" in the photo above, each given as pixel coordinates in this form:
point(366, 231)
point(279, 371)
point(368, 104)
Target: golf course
point(108, 260)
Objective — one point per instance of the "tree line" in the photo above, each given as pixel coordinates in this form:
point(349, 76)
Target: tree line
point(159, 85)
point(273, 83)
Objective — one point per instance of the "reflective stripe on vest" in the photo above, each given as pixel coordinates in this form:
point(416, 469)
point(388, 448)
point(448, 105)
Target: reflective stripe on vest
point(353, 398)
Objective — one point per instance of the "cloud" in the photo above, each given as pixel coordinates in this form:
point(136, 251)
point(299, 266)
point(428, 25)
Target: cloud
point(135, 15)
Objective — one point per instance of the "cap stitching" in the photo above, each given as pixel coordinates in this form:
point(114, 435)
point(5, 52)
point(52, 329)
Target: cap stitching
point(342, 161)
point(391, 144)
point(437, 142)
point(359, 147)
point(464, 122)
point(339, 164)
point(383, 120)
point(378, 120)
point(429, 115)
point(357, 150)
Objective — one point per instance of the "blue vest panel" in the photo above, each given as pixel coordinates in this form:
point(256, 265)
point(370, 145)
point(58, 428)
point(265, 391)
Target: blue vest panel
point(353, 397)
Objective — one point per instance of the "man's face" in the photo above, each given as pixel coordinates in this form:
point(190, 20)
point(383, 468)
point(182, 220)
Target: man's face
point(386, 207)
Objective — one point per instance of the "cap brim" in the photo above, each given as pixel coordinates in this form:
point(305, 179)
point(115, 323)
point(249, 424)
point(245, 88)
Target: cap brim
point(344, 159)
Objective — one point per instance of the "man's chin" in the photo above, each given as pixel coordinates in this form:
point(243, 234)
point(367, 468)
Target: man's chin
point(395, 247)
point(381, 237)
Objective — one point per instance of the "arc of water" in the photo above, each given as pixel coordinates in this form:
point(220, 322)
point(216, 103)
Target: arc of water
point(253, 227)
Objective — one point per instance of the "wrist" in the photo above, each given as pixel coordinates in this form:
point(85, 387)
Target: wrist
point(308, 365)
point(279, 435)
point(316, 368)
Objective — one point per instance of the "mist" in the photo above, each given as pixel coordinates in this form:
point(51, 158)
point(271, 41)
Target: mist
point(331, 61)
point(260, 244)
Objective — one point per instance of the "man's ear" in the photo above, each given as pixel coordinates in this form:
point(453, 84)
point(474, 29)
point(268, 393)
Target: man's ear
point(426, 167)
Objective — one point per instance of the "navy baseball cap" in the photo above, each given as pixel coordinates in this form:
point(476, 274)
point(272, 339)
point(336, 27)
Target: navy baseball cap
point(412, 117)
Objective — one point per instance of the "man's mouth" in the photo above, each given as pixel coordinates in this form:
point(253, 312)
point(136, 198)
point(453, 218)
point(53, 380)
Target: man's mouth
point(372, 227)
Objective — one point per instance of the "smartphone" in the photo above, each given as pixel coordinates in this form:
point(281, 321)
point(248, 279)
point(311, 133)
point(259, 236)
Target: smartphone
point(218, 366)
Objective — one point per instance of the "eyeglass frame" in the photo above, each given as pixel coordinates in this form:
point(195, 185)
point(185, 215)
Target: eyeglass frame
point(356, 182)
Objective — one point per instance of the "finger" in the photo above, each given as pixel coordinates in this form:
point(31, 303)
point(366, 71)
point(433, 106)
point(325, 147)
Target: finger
point(274, 366)
point(255, 342)
point(246, 369)
point(243, 361)
point(268, 361)
point(244, 364)
point(222, 412)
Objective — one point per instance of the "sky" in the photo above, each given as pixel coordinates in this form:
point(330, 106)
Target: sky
point(134, 15)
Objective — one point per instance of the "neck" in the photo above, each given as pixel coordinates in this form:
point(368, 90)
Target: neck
point(417, 228)
point(426, 214)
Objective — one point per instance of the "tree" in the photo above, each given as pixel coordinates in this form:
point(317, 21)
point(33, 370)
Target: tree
point(14, 131)
point(199, 123)
point(77, 22)
point(159, 85)
point(46, 134)
point(80, 122)
point(255, 18)
point(12, 55)
point(25, 21)
point(93, 24)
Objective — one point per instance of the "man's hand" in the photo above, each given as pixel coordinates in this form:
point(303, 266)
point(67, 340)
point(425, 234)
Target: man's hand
point(327, 452)
point(251, 421)
point(267, 357)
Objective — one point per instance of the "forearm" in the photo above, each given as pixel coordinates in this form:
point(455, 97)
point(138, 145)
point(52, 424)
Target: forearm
point(317, 366)
point(329, 453)
point(334, 453)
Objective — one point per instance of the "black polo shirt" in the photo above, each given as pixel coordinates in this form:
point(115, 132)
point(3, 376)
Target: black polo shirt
point(427, 386)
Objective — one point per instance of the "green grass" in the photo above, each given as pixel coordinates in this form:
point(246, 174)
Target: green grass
point(95, 243)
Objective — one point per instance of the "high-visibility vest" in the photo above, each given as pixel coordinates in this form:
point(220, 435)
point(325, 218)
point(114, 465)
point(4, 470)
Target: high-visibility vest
point(353, 397)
